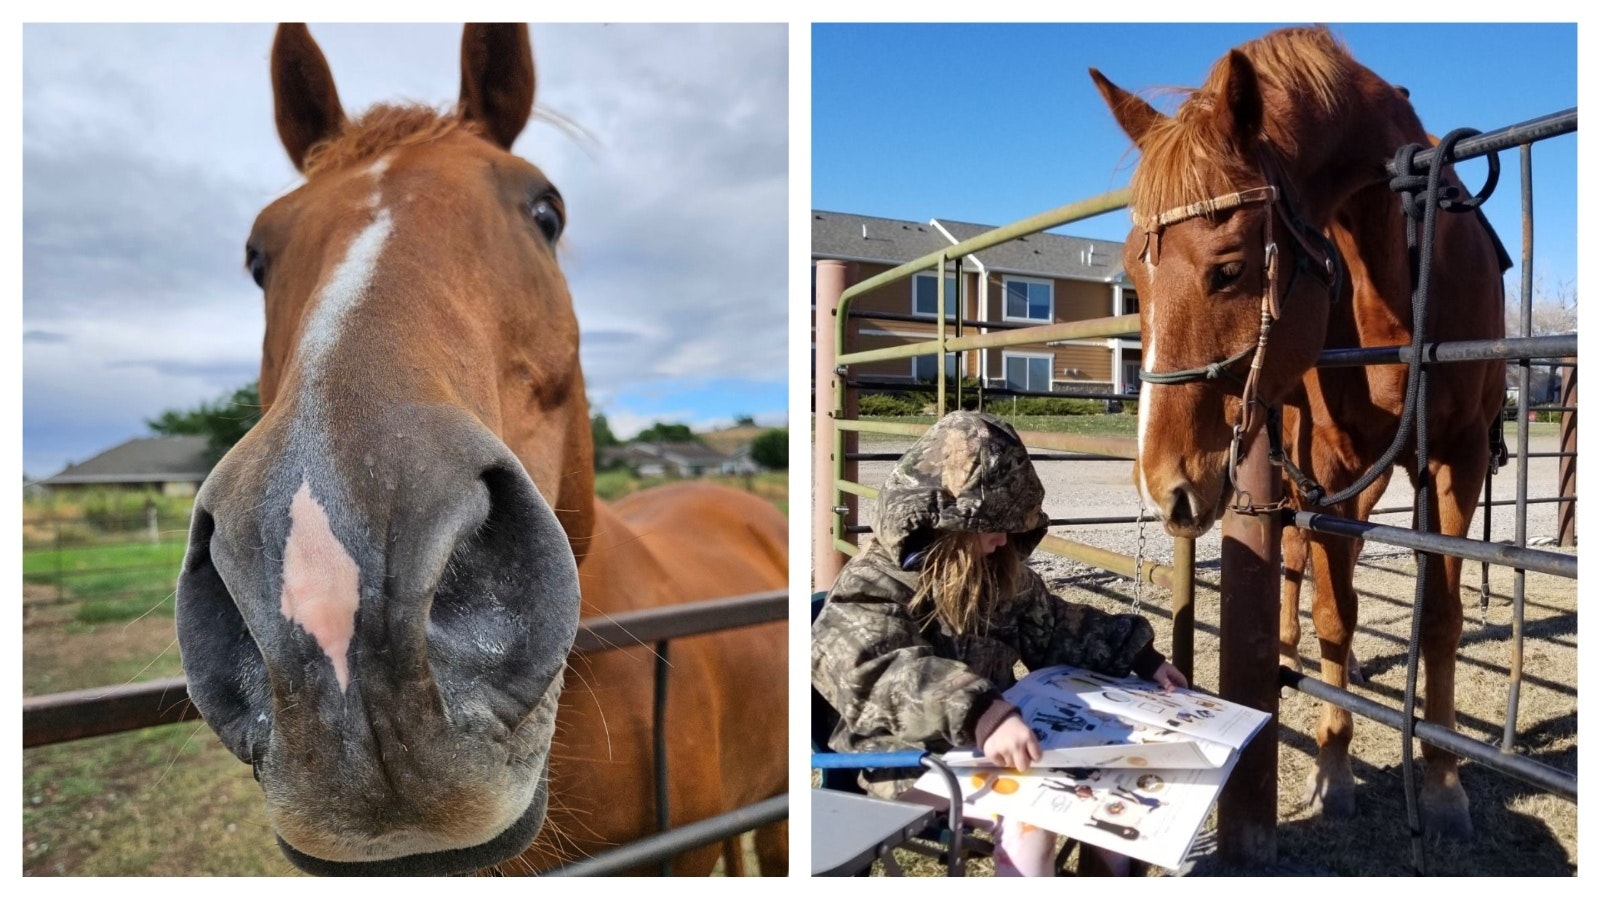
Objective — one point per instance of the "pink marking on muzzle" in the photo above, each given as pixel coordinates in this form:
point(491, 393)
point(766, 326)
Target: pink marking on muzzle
point(321, 582)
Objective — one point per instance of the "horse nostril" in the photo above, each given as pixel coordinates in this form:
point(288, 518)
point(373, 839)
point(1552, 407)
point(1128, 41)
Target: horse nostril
point(1178, 510)
point(505, 607)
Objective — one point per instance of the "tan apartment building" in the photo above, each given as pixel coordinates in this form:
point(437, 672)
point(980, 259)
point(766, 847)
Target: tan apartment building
point(1036, 280)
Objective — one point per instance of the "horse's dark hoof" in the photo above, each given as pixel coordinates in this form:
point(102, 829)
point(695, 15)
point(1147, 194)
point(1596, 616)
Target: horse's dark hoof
point(1444, 813)
point(1331, 796)
point(1353, 671)
point(1290, 661)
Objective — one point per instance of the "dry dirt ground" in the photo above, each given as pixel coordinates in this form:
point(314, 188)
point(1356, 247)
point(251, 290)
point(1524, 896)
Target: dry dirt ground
point(1519, 830)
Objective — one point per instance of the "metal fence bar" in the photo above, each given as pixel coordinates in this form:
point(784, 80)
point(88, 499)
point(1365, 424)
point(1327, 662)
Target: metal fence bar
point(1545, 777)
point(1559, 564)
point(661, 848)
point(1553, 125)
point(56, 718)
point(1524, 348)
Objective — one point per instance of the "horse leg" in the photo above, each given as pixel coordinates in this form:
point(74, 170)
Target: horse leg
point(1457, 483)
point(772, 848)
point(1294, 570)
point(1331, 785)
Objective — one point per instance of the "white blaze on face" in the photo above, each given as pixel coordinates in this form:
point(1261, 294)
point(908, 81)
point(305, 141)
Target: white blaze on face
point(321, 582)
point(1144, 415)
point(347, 284)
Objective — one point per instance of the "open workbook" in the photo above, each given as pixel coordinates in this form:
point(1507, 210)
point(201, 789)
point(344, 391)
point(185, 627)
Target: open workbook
point(1126, 765)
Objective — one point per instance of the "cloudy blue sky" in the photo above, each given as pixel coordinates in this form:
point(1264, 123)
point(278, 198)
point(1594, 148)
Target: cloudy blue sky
point(990, 123)
point(148, 149)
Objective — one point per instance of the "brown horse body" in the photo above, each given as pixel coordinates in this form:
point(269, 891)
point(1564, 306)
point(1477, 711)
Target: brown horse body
point(385, 576)
point(1296, 103)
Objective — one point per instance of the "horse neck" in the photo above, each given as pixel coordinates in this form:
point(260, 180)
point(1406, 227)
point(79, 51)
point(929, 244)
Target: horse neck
point(1335, 155)
point(1339, 185)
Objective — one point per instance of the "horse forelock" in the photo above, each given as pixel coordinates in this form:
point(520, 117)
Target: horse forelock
point(380, 129)
point(1186, 157)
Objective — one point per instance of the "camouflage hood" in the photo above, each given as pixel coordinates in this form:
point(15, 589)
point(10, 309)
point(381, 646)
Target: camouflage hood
point(969, 472)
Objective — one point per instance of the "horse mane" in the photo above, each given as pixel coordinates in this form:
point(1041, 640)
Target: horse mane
point(380, 129)
point(1183, 153)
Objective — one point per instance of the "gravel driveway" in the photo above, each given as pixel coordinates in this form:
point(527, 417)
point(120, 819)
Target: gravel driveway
point(1078, 489)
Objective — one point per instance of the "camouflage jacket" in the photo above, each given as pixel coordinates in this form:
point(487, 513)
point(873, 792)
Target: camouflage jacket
point(900, 679)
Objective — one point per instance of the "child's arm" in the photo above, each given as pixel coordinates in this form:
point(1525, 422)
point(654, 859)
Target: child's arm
point(1052, 631)
point(870, 662)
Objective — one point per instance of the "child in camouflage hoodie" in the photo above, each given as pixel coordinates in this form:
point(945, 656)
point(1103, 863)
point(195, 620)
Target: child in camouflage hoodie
point(923, 628)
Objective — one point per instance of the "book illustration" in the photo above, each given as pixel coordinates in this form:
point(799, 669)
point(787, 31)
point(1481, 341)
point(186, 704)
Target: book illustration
point(1125, 765)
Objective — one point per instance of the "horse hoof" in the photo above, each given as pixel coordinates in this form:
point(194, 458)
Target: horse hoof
point(1444, 814)
point(1292, 663)
point(1331, 797)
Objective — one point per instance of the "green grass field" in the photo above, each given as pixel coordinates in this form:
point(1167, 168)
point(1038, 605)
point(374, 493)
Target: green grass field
point(111, 583)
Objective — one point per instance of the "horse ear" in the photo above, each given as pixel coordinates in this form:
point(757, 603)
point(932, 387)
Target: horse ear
point(1134, 115)
point(305, 101)
point(497, 79)
point(1239, 114)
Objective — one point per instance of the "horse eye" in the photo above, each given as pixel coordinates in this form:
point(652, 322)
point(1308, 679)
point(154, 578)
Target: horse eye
point(548, 214)
point(1226, 274)
point(256, 262)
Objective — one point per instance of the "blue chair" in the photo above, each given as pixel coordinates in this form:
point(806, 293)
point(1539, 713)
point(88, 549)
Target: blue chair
point(937, 833)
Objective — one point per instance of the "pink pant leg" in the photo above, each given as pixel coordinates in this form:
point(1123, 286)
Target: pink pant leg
point(1023, 849)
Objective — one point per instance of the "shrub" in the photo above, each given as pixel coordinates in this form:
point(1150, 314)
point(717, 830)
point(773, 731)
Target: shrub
point(771, 449)
point(892, 404)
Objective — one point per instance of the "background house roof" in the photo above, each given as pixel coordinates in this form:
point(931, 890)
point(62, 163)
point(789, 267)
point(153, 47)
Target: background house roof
point(836, 235)
point(1045, 254)
point(141, 460)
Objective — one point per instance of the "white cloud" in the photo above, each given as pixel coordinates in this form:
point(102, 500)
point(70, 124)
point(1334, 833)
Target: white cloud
point(148, 149)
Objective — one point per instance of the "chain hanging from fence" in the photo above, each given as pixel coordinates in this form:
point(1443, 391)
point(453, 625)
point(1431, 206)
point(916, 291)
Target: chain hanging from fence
point(1138, 564)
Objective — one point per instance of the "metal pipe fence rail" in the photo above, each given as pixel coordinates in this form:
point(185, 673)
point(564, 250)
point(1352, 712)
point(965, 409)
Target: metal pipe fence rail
point(837, 486)
point(72, 715)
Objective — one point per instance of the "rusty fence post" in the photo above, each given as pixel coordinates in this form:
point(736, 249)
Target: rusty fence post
point(1247, 811)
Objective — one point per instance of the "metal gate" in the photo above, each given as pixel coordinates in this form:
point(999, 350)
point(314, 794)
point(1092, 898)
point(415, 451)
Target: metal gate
point(1248, 807)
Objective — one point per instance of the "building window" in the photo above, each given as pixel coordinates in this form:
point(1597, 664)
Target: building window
point(1130, 302)
point(1028, 372)
point(923, 368)
point(925, 295)
point(1029, 301)
point(1130, 377)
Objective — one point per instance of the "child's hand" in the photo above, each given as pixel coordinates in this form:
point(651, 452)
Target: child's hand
point(1169, 676)
point(1012, 744)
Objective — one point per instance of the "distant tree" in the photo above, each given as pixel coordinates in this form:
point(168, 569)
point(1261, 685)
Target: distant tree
point(222, 423)
point(1555, 309)
point(771, 449)
point(600, 430)
point(667, 433)
point(742, 421)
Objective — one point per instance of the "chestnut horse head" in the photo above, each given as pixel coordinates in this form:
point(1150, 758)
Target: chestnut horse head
point(380, 591)
point(1227, 247)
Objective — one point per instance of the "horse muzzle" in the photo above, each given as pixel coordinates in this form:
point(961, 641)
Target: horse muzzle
point(383, 639)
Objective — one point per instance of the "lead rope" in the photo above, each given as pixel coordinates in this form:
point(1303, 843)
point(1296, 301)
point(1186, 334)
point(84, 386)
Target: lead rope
point(1431, 201)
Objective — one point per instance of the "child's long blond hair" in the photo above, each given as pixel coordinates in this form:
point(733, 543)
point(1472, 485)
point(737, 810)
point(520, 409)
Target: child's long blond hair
point(961, 584)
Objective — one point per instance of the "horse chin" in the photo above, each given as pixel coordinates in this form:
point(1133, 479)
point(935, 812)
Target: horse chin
point(451, 827)
point(1192, 529)
point(515, 839)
